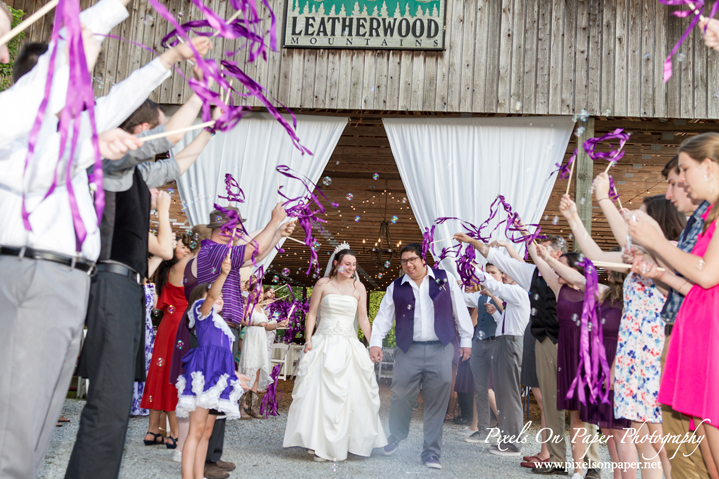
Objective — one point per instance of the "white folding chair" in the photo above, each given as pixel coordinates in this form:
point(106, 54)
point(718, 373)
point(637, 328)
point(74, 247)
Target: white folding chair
point(387, 362)
point(280, 358)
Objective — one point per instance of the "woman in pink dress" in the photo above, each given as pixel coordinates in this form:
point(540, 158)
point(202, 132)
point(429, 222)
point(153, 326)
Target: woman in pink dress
point(690, 382)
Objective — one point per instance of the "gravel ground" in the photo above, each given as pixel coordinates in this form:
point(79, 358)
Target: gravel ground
point(256, 447)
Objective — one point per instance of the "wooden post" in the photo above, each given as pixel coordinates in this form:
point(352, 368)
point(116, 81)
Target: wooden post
point(583, 181)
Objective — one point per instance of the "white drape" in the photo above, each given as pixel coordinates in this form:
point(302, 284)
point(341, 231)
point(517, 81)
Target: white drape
point(457, 167)
point(251, 152)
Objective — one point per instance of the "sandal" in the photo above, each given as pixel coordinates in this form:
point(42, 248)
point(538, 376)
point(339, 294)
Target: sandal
point(173, 440)
point(155, 441)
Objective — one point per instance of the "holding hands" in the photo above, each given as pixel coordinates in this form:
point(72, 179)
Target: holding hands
point(114, 144)
point(568, 207)
point(601, 186)
point(711, 35)
point(163, 202)
point(643, 228)
point(375, 354)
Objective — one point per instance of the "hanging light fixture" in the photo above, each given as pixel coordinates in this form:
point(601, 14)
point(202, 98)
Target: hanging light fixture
point(379, 254)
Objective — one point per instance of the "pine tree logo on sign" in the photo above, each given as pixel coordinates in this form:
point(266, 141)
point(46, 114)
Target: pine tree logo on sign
point(367, 24)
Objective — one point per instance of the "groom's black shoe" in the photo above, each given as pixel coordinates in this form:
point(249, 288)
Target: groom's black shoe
point(391, 447)
point(461, 420)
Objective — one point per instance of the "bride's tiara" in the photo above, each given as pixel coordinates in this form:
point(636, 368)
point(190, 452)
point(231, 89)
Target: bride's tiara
point(341, 246)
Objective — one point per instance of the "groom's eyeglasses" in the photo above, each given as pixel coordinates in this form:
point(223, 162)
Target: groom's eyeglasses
point(407, 261)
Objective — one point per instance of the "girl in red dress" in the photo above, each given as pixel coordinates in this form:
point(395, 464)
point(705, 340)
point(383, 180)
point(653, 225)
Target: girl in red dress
point(159, 394)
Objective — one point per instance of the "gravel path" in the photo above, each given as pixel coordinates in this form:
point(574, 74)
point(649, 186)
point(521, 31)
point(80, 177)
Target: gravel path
point(256, 447)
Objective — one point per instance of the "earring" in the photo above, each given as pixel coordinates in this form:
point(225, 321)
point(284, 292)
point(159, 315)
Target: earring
point(708, 177)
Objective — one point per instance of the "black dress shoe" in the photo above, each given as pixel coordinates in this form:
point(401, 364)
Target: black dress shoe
point(547, 471)
point(461, 420)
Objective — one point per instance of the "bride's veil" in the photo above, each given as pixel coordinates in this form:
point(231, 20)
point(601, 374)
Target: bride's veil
point(341, 247)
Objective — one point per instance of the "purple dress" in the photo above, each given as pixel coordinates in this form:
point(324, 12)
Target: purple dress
point(603, 414)
point(209, 379)
point(569, 313)
point(182, 338)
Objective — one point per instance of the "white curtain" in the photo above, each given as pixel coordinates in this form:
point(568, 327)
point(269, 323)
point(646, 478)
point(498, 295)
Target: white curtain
point(250, 153)
point(457, 167)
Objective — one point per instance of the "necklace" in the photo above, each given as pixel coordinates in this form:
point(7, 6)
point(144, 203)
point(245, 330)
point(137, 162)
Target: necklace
point(338, 286)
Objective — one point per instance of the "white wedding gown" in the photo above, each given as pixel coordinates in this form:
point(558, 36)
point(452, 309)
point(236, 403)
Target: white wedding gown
point(335, 401)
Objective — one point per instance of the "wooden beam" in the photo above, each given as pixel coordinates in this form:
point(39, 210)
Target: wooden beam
point(583, 183)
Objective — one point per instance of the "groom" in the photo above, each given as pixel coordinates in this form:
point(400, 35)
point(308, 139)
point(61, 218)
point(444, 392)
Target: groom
point(425, 304)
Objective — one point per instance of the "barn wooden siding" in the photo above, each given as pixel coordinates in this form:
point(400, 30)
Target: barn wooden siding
point(503, 56)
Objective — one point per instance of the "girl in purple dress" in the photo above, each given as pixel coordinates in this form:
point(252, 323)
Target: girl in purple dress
point(207, 387)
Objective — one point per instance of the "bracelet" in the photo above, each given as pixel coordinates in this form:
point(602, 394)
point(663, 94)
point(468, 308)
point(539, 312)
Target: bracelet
point(308, 341)
point(605, 198)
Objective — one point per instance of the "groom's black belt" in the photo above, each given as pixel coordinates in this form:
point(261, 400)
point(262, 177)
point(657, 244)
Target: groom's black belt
point(427, 342)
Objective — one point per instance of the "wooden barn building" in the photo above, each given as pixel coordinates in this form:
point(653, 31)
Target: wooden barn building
point(456, 59)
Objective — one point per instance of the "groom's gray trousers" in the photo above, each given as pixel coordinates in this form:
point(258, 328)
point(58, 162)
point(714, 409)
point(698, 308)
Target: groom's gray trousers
point(429, 365)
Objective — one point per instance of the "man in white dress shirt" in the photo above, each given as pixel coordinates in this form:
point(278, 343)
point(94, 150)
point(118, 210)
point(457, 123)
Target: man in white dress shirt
point(507, 362)
point(44, 288)
point(428, 309)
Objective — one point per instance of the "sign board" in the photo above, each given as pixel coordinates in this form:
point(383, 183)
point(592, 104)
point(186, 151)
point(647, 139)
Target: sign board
point(365, 24)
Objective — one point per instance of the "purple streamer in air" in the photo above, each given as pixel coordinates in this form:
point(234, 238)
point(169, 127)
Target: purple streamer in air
point(231, 185)
point(593, 369)
point(80, 97)
point(428, 242)
point(301, 208)
point(612, 155)
point(565, 171)
point(613, 194)
point(697, 9)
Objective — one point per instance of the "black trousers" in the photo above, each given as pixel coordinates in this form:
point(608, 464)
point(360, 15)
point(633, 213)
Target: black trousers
point(217, 441)
point(115, 328)
point(466, 405)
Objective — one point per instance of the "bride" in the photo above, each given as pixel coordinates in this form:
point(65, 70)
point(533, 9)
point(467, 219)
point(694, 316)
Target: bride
point(335, 401)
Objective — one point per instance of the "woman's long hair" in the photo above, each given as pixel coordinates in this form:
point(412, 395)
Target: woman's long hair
point(665, 213)
point(699, 148)
point(615, 282)
point(162, 272)
point(338, 260)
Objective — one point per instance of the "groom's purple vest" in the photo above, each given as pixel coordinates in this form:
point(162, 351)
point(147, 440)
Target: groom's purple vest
point(403, 297)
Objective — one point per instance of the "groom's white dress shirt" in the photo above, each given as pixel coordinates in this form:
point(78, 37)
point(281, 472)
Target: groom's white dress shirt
point(423, 313)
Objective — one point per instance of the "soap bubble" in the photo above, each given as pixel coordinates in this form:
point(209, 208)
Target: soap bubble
point(555, 220)
point(375, 176)
point(607, 112)
point(404, 199)
point(159, 362)
point(180, 344)
point(357, 218)
point(646, 56)
point(350, 196)
point(379, 275)
point(681, 57)
point(580, 131)
point(326, 181)
point(286, 272)
point(409, 306)
point(534, 311)
point(315, 246)
point(148, 20)
point(170, 309)
point(582, 200)
point(387, 264)
point(275, 279)
point(394, 220)
point(218, 218)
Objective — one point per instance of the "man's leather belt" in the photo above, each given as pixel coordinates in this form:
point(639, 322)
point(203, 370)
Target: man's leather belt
point(121, 270)
point(71, 261)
